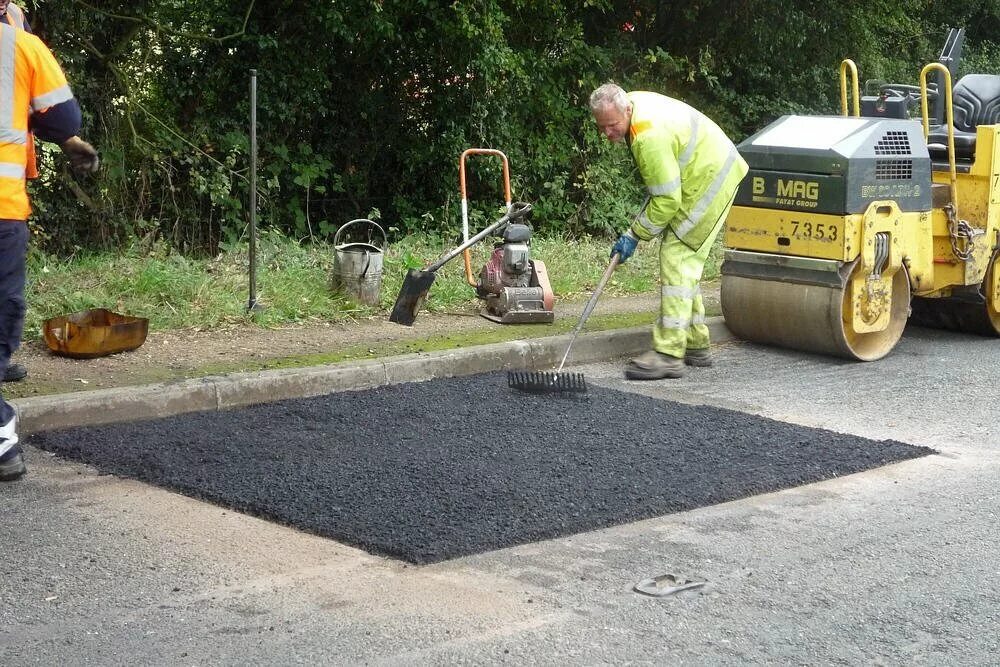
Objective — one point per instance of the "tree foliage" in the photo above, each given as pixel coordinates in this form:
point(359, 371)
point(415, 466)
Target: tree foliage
point(365, 105)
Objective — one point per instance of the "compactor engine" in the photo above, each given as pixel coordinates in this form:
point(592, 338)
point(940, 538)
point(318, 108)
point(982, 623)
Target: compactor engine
point(514, 286)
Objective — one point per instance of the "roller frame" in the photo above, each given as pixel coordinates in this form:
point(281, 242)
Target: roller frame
point(880, 217)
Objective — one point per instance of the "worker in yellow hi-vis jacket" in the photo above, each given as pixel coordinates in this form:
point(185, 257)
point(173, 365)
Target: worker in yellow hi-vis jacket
point(691, 170)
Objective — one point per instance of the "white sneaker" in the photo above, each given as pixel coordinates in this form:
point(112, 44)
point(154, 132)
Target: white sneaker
point(11, 460)
point(8, 435)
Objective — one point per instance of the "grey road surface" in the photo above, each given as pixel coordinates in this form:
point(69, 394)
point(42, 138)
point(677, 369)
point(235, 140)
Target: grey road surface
point(892, 566)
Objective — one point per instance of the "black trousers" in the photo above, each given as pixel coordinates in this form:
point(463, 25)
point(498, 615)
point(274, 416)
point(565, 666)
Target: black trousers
point(13, 270)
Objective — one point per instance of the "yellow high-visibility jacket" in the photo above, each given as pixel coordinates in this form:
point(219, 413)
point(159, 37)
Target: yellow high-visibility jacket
point(30, 81)
point(688, 164)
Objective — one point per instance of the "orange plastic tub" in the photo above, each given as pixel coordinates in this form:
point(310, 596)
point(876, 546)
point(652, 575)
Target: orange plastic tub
point(94, 333)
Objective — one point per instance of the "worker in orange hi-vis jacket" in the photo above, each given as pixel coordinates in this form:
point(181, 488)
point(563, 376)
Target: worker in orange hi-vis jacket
point(34, 97)
point(14, 15)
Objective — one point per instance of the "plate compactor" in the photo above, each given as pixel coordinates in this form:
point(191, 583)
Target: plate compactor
point(514, 286)
point(845, 221)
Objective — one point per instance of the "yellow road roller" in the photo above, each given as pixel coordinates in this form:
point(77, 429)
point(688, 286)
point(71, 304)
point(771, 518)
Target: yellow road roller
point(845, 222)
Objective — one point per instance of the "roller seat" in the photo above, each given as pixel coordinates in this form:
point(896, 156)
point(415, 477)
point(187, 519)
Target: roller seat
point(975, 101)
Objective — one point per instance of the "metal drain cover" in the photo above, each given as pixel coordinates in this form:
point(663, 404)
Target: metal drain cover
point(666, 584)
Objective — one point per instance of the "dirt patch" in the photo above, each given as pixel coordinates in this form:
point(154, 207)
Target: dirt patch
point(168, 355)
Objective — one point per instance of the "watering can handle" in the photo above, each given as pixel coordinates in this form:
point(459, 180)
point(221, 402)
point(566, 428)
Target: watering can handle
point(336, 237)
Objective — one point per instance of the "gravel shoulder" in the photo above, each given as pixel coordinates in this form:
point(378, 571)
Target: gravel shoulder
point(174, 355)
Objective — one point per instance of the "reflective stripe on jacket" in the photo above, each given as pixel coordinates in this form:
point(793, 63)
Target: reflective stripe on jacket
point(30, 80)
point(688, 164)
point(15, 17)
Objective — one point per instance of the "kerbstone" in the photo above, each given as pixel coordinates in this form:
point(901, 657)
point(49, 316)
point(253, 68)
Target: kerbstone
point(124, 404)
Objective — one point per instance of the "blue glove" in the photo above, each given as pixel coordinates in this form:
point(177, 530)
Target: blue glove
point(625, 246)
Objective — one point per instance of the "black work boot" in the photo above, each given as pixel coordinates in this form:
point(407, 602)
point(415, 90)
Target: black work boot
point(15, 372)
point(12, 465)
point(654, 365)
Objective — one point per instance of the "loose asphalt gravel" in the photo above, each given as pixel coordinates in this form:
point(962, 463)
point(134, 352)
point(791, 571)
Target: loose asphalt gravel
point(431, 471)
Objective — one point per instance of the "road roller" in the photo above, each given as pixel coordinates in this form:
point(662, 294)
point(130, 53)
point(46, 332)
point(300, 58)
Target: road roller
point(848, 226)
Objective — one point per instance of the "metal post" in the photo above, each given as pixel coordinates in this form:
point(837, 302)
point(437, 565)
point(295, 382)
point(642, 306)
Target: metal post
point(252, 302)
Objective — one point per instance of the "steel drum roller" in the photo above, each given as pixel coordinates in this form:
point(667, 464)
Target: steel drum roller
point(808, 317)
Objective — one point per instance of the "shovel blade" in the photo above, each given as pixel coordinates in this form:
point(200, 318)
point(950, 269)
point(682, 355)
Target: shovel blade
point(411, 296)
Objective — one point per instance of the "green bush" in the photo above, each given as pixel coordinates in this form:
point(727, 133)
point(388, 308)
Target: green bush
point(366, 105)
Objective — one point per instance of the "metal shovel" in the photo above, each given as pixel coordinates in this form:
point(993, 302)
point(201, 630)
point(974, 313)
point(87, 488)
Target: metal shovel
point(418, 282)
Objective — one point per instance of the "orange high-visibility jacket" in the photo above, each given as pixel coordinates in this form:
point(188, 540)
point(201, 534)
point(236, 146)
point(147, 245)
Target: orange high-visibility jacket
point(15, 17)
point(30, 81)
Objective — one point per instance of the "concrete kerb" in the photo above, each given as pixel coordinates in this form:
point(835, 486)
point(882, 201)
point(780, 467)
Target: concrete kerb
point(121, 404)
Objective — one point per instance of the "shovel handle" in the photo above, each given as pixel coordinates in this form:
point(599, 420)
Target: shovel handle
point(516, 210)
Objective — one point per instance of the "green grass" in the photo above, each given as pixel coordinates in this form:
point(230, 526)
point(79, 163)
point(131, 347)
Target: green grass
point(177, 292)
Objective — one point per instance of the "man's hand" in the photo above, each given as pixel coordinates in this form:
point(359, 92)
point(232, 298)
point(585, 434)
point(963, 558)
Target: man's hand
point(82, 156)
point(625, 246)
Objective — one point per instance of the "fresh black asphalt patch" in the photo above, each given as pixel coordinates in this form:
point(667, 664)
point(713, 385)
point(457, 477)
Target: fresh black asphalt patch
point(446, 468)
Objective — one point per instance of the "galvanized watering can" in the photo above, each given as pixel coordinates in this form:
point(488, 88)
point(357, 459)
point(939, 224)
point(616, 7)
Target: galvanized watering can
point(357, 266)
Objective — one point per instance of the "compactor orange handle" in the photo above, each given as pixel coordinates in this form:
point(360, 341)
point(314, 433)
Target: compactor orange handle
point(465, 199)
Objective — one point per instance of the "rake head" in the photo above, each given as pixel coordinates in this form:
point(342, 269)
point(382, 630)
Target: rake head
point(547, 382)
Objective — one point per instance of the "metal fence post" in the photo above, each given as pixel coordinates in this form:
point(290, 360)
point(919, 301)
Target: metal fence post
point(252, 304)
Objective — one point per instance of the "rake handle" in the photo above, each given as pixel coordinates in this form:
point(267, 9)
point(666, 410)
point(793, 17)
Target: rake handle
point(600, 288)
point(589, 308)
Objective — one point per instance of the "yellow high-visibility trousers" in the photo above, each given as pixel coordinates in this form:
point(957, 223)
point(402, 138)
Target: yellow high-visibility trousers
point(681, 324)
